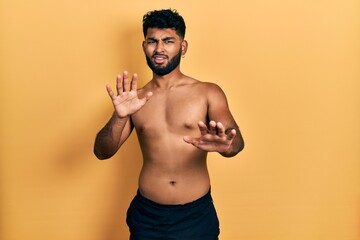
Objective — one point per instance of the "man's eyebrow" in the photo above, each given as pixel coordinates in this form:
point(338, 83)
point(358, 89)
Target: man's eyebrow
point(152, 39)
point(163, 39)
point(168, 38)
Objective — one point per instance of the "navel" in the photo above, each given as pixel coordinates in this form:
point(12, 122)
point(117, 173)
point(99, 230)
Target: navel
point(172, 183)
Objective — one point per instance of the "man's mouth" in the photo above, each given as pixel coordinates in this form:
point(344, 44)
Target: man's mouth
point(159, 59)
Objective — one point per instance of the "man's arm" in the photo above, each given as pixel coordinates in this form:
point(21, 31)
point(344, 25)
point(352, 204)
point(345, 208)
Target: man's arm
point(219, 111)
point(236, 145)
point(119, 127)
point(222, 134)
point(112, 136)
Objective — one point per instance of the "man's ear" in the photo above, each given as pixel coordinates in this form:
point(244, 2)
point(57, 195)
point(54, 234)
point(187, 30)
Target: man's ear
point(184, 47)
point(143, 46)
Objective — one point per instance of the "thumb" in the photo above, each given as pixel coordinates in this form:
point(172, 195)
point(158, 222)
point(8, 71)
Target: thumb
point(187, 139)
point(146, 97)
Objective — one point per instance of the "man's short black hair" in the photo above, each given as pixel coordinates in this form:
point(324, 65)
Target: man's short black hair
point(166, 18)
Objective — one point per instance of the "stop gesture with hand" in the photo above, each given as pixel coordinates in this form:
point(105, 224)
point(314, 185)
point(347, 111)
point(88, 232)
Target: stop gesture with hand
point(212, 139)
point(126, 101)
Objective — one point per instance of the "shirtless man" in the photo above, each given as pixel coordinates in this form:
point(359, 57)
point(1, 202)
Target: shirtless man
point(178, 120)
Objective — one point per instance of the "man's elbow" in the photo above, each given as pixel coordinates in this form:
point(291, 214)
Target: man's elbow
point(235, 151)
point(241, 147)
point(101, 156)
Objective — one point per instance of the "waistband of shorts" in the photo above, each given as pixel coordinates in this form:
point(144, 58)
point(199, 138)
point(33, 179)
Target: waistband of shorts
point(198, 202)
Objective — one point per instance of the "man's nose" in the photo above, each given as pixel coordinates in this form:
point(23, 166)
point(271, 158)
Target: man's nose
point(159, 47)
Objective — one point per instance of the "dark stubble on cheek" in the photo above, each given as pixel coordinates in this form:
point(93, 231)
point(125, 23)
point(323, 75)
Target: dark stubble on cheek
point(161, 71)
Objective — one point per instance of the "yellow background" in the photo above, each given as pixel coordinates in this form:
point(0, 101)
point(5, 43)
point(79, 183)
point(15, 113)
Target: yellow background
point(290, 69)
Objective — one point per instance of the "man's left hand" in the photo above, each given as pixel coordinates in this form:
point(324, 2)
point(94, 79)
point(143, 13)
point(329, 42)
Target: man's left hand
point(212, 139)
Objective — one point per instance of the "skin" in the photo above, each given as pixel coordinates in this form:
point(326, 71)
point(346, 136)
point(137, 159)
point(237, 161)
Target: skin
point(178, 120)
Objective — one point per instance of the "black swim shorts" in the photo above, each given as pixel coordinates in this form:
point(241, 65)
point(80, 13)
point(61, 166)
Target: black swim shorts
point(148, 220)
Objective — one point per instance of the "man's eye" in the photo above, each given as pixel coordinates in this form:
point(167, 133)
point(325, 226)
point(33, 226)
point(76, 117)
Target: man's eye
point(169, 41)
point(150, 41)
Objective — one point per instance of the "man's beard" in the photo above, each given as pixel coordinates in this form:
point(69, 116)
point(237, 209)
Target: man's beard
point(161, 71)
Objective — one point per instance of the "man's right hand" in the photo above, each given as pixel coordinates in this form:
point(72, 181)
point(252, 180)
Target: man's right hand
point(126, 102)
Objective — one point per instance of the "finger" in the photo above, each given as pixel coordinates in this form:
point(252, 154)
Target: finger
point(145, 98)
point(194, 141)
point(220, 129)
point(119, 84)
point(212, 127)
point(203, 128)
point(148, 95)
point(231, 135)
point(134, 82)
point(110, 92)
point(187, 139)
point(125, 81)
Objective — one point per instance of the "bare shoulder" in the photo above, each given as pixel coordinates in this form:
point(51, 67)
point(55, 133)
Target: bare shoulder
point(207, 86)
point(212, 90)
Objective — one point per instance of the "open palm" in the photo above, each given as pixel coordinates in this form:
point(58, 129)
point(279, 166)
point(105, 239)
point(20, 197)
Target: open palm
point(126, 101)
point(212, 139)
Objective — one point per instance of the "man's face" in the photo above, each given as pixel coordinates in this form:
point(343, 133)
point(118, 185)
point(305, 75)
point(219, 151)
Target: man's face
point(163, 49)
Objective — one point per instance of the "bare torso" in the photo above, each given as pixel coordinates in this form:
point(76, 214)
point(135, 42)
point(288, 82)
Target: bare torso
point(173, 172)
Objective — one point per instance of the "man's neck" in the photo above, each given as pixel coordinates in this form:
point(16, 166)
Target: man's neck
point(167, 81)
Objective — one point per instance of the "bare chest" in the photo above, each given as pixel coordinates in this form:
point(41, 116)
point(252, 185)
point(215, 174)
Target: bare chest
point(170, 112)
